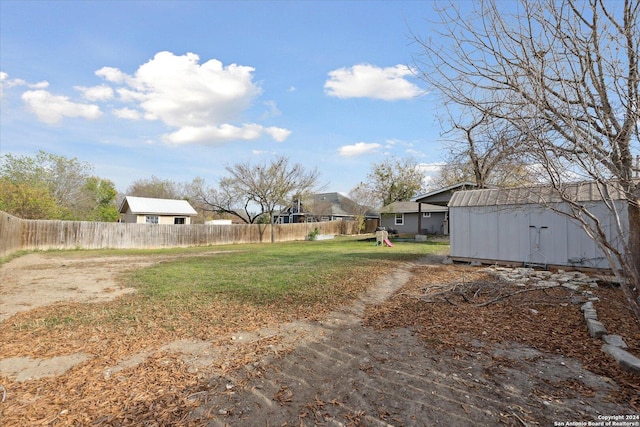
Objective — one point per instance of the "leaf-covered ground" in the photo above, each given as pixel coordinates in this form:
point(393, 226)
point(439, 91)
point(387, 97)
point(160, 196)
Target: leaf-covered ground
point(548, 320)
point(396, 358)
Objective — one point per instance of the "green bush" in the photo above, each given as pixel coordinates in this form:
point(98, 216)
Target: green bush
point(313, 234)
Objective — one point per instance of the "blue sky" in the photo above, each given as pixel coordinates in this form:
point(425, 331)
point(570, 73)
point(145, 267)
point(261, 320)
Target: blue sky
point(180, 89)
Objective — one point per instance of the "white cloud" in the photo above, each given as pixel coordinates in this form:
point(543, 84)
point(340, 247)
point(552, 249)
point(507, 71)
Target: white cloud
point(39, 85)
point(223, 133)
point(369, 81)
point(5, 81)
point(430, 170)
point(359, 149)
point(127, 113)
point(111, 74)
point(96, 93)
point(279, 134)
point(390, 143)
point(53, 108)
point(200, 100)
point(272, 109)
point(128, 95)
point(415, 153)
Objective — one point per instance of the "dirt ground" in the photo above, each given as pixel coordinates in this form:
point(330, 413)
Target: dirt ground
point(390, 358)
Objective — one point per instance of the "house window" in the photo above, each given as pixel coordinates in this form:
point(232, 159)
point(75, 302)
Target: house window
point(152, 219)
point(399, 219)
point(426, 214)
point(179, 220)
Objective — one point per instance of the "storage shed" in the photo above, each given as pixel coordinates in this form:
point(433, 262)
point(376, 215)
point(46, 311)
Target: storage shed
point(518, 225)
point(146, 210)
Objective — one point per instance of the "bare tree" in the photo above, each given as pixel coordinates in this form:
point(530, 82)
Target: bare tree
point(155, 187)
point(395, 180)
point(483, 150)
point(251, 192)
point(363, 201)
point(564, 74)
point(223, 201)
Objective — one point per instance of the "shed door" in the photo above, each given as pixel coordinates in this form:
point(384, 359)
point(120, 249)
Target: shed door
point(539, 240)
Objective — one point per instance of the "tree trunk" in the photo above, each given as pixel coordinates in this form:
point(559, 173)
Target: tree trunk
point(634, 242)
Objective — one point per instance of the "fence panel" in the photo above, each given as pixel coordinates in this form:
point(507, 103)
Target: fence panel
point(10, 234)
point(24, 234)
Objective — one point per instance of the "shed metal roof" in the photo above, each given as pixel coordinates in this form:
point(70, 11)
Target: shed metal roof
point(541, 194)
point(147, 205)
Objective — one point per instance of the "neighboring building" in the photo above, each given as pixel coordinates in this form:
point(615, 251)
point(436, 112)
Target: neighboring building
point(425, 214)
point(442, 196)
point(414, 218)
point(143, 210)
point(321, 207)
point(219, 222)
point(518, 225)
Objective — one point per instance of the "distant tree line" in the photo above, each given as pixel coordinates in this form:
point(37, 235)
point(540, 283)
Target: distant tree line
point(49, 186)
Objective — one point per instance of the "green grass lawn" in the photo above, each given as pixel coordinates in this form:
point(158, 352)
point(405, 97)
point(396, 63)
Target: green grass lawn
point(194, 291)
point(291, 273)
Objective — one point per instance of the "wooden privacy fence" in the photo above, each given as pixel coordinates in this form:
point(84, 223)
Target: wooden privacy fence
point(25, 234)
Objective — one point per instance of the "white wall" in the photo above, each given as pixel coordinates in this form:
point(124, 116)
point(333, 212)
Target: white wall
point(142, 219)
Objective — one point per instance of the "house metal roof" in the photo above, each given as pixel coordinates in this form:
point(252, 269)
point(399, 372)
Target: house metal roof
point(541, 194)
point(147, 205)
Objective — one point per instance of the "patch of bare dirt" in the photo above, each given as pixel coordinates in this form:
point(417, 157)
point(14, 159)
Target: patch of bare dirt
point(41, 279)
point(389, 358)
point(38, 280)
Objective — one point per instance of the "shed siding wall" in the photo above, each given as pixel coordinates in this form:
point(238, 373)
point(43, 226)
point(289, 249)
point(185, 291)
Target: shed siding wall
point(529, 233)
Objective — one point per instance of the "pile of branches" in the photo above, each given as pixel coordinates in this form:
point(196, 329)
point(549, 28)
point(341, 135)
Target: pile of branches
point(479, 292)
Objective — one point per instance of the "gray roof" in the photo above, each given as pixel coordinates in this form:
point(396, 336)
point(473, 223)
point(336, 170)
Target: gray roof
point(339, 205)
point(460, 185)
point(147, 205)
point(541, 194)
point(411, 207)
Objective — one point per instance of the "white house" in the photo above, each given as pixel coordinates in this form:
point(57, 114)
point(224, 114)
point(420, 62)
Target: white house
point(523, 225)
point(145, 210)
